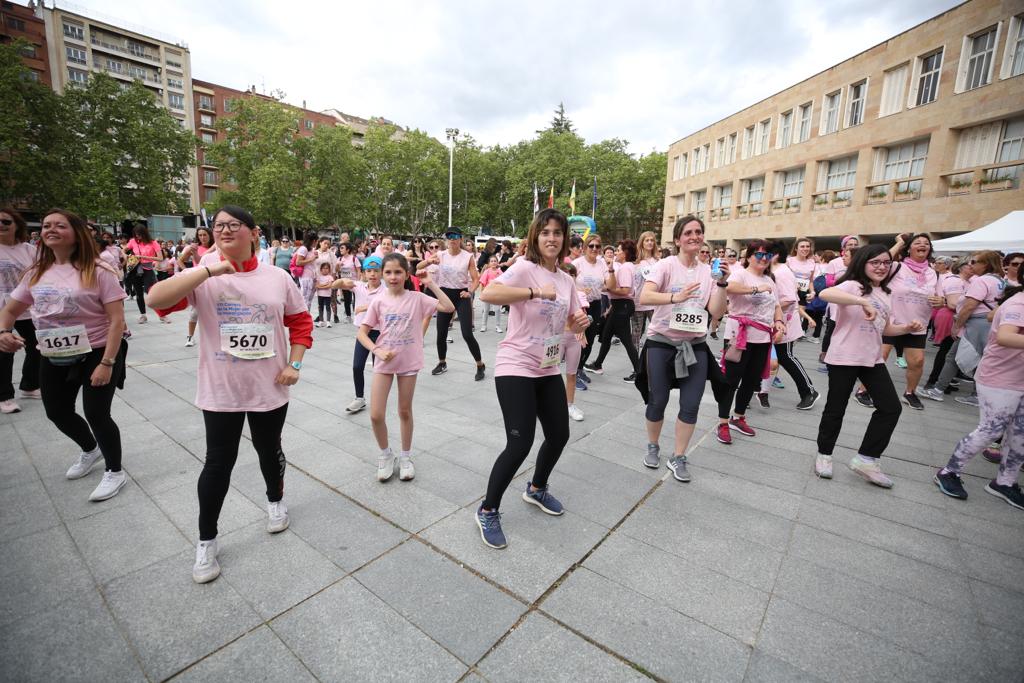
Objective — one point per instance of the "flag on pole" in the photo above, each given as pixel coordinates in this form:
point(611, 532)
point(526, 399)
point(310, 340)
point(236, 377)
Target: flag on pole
point(572, 199)
point(551, 196)
point(593, 206)
point(536, 200)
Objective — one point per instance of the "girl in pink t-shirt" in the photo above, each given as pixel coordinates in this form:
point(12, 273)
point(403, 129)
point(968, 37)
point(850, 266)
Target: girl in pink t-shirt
point(491, 272)
point(324, 293)
point(863, 315)
point(76, 306)
point(399, 314)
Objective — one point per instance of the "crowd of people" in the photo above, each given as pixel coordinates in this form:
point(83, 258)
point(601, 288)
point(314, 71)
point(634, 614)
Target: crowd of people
point(559, 295)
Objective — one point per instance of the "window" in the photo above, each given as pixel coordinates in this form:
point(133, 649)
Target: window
point(706, 157)
point(805, 122)
point(208, 138)
point(1011, 142)
point(894, 87)
point(1013, 62)
point(74, 31)
point(679, 167)
point(731, 153)
point(33, 75)
point(723, 199)
point(753, 190)
point(28, 51)
point(76, 76)
point(208, 194)
point(901, 161)
point(698, 201)
point(210, 177)
point(175, 83)
point(136, 72)
point(205, 102)
point(309, 124)
point(15, 24)
point(785, 133)
point(138, 50)
point(720, 158)
point(748, 142)
point(830, 112)
point(115, 66)
point(75, 55)
point(978, 49)
point(764, 130)
point(977, 145)
point(855, 106)
point(837, 174)
point(695, 169)
point(927, 84)
point(793, 183)
point(228, 103)
point(680, 205)
point(175, 100)
point(206, 120)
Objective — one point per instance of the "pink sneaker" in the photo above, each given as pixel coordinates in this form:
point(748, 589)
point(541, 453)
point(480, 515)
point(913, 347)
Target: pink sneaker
point(870, 471)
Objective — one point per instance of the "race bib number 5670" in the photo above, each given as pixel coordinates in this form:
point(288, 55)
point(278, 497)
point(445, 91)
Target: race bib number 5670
point(248, 341)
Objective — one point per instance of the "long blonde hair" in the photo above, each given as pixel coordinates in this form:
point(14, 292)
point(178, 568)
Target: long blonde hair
point(640, 256)
point(83, 258)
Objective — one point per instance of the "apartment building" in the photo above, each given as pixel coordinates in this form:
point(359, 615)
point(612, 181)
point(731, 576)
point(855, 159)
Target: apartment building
point(19, 21)
point(924, 132)
point(80, 45)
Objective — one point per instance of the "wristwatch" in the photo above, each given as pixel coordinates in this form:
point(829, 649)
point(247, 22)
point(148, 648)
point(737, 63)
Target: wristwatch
point(296, 364)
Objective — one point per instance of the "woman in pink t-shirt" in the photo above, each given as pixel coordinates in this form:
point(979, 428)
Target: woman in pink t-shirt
point(833, 270)
point(619, 285)
point(542, 301)
point(16, 256)
point(491, 272)
point(755, 314)
point(77, 310)
point(191, 255)
point(787, 288)
point(801, 262)
point(348, 268)
point(255, 330)
point(591, 273)
point(398, 313)
point(148, 251)
point(1000, 385)
point(646, 259)
point(863, 315)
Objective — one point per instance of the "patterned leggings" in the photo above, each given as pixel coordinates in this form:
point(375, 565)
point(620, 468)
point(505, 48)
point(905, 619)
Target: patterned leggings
point(638, 325)
point(1002, 410)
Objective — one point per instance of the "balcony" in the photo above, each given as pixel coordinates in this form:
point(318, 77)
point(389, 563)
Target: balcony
point(132, 53)
point(751, 210)
point(904, 190)
point(992, 178)
point(206, 105)
point(785, 205)
point(831, 199)
point(129, 76)
point(720, 213)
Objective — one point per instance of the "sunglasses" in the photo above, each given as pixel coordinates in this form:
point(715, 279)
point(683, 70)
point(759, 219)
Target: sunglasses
point(704, 251)
point(762, 255)
point(6, 221)
point(593, 246)
point(1013, 264)
point(432, 246)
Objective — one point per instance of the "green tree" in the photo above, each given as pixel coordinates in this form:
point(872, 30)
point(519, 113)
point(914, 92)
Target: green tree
point(560, 123)
point(336, 170)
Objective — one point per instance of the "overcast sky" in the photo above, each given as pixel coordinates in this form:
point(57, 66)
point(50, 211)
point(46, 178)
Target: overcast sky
point(650, 72)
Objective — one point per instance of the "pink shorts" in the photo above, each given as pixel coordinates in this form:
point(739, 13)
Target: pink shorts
point(571, 351)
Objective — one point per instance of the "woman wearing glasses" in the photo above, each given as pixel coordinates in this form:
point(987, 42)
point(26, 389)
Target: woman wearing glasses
point(863, 314)
point(755, 320)
point(1012, 264)
point(705, 254)
point(254, 329)
point(591, 273)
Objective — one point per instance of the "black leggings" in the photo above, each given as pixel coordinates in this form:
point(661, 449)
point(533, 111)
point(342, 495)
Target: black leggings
point(324, 304)
point(223, 433)
point(794, 367)
point(464, 308)
point(524, 401)
point(29, 367)
point(359, 363)
point(743, 378)
point(618, 325)
point(660, 367)
point(841, 380)
point(596, 313)
point(60, 385)
point(142, 284)
point(940, 360)
point(816, 316)
point(349, 298)
point(830, 326)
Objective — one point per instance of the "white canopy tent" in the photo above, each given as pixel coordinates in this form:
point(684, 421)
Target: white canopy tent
point(1005, 235)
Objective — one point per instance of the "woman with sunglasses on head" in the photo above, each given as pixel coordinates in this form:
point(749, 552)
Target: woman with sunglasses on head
point(1012, 264)
point(591, 273)
point(755, 320)
point(863, 304)
point(619, 285)
point(542, 303)
point(16, 257)
point(78, 312)
point(255, 329)
point(646, 259)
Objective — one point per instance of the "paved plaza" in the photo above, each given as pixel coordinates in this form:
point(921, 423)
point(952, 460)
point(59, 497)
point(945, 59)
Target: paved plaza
point(755, 571)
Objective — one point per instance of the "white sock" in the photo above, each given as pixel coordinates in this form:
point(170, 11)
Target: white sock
point(406, 454)
point(386, 452)
point(867, 458)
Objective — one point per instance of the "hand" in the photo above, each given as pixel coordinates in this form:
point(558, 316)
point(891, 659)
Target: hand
point(288, 376)
point(425, 278)
point(9, 343)
point(101, 376)
point(915, 326)
point(869, 312)
point(224, 267)
point(686, 292)
point(579, 322)
point(608, 260)
point(811, 324)
point(724, 267)
point(383, 353)
point(936, 301)
point(546, 292)
point(465, 295)
point(778, 337)
point(582, 339)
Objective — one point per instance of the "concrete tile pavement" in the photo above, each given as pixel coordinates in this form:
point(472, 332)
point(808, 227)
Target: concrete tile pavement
point(754, 571)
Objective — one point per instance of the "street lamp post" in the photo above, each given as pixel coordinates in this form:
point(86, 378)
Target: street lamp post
point(452, 134)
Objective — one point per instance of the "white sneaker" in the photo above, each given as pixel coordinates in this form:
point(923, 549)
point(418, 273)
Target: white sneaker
point(142, 319)
point(356, 405)
point(84, 463)
point(109, 485)
point(9, 406)
point(498, 330)
point(575, 413)
point(823, 466)
point(277, 517)
point(405, 469)
point(206, 568)
point(386, 465)
point(450, 340)
point(482, 329)
point(35, 394)
point(329, 324)
point(932, 393)
point(348, 319)
point(165, 320)
point(189, 341)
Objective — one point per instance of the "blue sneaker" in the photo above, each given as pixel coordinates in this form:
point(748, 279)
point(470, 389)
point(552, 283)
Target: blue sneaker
point(580, 384)
point(542, 499)
point(490, 528)
point(582, 374)
point(777, 383)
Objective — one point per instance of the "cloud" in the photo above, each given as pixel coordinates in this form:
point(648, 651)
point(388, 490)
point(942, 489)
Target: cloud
point(647, 71)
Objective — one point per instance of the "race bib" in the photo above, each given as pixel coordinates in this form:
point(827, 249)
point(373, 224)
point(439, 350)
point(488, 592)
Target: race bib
point(552, 355)
point(248, 341)
point(63, 342)
point(688, 319)
point(803, 284)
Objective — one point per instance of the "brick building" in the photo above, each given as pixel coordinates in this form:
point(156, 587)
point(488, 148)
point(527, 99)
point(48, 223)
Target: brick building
point(19, 21)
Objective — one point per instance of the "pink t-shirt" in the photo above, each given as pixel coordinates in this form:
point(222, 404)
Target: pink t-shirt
point(856, 341)
point(112, 257)
point(348, 266)
point(310, 270)
point(58, 300)
point(400, 321)
point(948, 283)
point(986, 289)
point(14, 261)
point(1002, 366)
point(362, 297)
point(323, 285)
point(489, 276)
point(453, 271)
point(590, 277)
point(910, 293)
point(623, 278)
point(640, 273)
point(836, 267)
point(804, 272)
point(532, 324)
point(670, 276)
point(759, 307)
point(263, 296)
point(786, 290)
point(145, 249)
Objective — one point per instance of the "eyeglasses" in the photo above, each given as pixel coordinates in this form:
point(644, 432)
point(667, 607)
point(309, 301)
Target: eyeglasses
point(880, 263)
point(762, 255)
point(704, 251)
point(593, 246)
point(233, 226)
point(6, 221)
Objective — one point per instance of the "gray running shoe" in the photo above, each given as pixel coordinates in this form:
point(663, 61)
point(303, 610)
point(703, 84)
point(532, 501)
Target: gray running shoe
point(653, 459)
point(677, 463)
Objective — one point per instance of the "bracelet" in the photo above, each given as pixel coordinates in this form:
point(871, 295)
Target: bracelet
point(531, 294)
point(208, 273)
point(109, 362)
point(11, 331)
point(722, 284)
point(671, 298)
